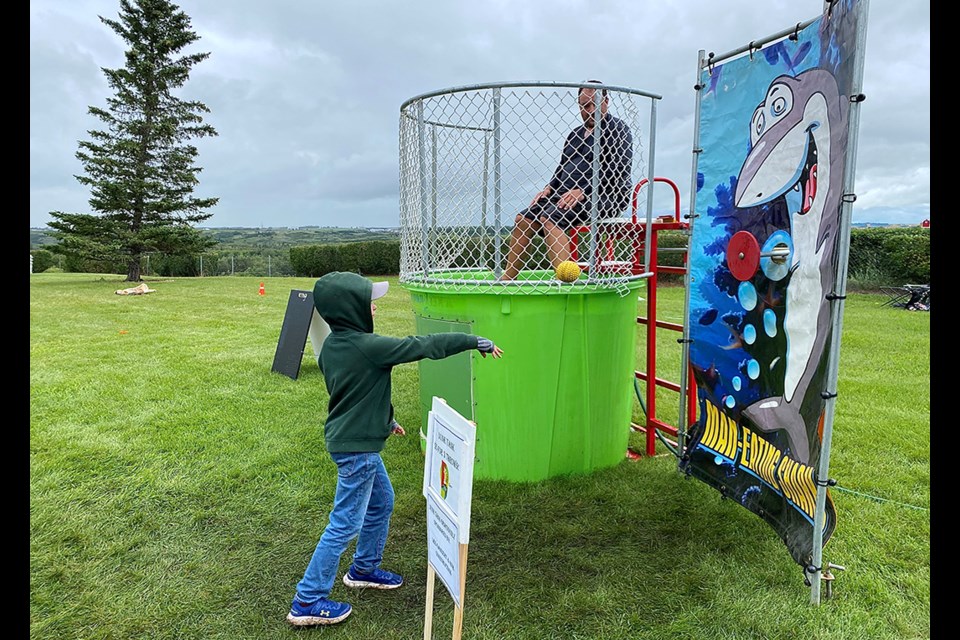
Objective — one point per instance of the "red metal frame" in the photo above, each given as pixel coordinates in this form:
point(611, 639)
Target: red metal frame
point(637, 233)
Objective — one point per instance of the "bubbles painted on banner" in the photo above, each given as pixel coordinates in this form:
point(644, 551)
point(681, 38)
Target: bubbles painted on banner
point(770, 322)
point(747, 294)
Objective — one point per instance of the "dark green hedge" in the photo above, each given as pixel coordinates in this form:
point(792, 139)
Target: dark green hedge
point(42, 260)
point(879, 256)
point(894, 256)
point(374, 258)
point(73, 264)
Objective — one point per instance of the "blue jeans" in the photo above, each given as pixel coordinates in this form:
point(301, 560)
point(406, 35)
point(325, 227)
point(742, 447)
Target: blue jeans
point(362, 506)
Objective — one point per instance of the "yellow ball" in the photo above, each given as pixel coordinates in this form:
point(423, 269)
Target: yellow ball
point(568, 271)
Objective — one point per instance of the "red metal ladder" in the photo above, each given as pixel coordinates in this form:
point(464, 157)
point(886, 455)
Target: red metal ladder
point(636, 231)
point(653, 423)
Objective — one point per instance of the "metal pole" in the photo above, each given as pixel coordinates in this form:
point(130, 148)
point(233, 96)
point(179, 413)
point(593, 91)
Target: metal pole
point(201, 266)
point(650, 182)
point(433, 182)
point(424, 225)
point(846, 214)
point(498, 245)
point(595, 181)
point(755, 45)
point(525, 85)
point(685, 341)
point(486, 177)
point(269, 269)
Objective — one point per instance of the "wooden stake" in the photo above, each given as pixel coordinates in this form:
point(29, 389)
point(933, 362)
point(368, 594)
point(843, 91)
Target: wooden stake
point(428, 616)
point(458, 611)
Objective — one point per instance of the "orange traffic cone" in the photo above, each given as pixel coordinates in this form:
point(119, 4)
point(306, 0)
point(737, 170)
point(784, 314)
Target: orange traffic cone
point(262, 292)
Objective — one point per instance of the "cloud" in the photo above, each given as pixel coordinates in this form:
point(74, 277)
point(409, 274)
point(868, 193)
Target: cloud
point(306, 96)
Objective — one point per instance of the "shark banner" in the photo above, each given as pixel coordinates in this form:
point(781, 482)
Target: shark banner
point(764, 253)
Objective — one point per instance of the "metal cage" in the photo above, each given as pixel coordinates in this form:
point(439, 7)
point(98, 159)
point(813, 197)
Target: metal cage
point(472, 158)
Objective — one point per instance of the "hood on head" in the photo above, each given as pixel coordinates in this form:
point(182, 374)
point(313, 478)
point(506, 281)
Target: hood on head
point(342, 299)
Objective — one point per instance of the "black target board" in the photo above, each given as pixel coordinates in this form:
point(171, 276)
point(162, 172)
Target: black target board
point(293, 334)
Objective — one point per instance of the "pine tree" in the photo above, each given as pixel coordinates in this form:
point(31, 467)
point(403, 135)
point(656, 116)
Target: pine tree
point(140, 169)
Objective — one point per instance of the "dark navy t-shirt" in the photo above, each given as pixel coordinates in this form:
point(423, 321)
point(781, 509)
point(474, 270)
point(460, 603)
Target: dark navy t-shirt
point(575, 170)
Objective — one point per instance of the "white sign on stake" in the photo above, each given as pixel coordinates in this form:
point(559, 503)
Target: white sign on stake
point(448, 488)
point(448, 467)
point(443, 550)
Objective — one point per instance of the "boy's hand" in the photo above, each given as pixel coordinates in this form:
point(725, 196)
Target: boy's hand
point(485, 346)
point(397, 429)
point(496, 352)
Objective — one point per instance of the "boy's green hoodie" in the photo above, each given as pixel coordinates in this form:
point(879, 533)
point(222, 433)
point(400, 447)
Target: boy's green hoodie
point(356, 363)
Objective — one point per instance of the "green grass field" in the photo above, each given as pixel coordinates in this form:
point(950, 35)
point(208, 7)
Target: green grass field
point(178, 487)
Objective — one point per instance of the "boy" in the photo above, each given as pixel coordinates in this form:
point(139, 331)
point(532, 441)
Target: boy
point(356, 365)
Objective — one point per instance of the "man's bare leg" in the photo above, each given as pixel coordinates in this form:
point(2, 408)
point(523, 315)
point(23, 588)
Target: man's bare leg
point(523, 230)
point(558, 244)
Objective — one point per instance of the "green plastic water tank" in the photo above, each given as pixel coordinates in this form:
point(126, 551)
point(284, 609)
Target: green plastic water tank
point(560, 400)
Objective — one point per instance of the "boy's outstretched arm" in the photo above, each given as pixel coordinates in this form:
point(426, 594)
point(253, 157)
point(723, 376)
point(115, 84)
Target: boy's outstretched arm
point(388, 351)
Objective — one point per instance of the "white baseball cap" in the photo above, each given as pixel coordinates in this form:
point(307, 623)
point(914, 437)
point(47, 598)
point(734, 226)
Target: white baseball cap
point(379, 290)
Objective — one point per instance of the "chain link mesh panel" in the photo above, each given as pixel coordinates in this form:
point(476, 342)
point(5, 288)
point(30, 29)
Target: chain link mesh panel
point(472, 161)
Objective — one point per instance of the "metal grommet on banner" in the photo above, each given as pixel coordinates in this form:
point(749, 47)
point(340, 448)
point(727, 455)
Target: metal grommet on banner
point(795, 36)
point(860, 97)
point(710, 63)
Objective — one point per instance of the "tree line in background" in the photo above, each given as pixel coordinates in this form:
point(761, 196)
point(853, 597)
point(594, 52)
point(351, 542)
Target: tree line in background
point(879, 256)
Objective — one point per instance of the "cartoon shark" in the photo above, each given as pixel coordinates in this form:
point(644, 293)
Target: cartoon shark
point(798, 141)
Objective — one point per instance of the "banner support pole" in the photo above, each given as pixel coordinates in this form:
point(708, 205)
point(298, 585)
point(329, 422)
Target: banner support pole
point(846, 215)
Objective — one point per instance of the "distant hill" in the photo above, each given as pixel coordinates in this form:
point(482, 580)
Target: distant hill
point(265, 238)
point(876, 225)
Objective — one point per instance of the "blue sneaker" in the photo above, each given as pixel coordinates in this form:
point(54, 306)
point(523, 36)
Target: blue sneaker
point(322, 611)
point(379, 579)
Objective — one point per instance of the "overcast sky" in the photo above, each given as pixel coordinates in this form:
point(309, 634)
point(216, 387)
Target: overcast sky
point(305, 95)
